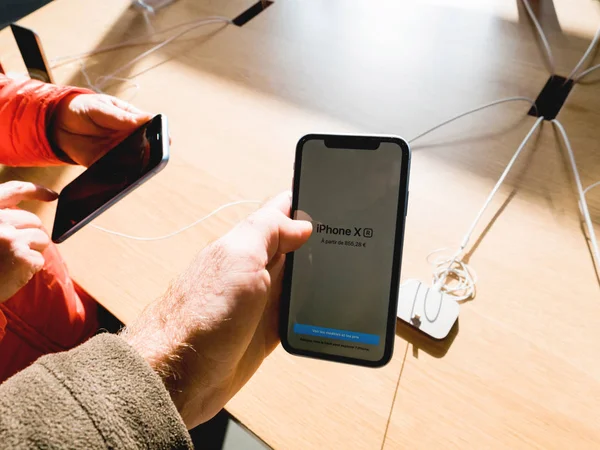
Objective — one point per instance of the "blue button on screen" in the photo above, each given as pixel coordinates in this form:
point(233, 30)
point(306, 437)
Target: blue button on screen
point(331, 333)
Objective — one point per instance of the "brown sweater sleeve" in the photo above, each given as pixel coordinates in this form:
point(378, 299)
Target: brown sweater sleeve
point(99, 395)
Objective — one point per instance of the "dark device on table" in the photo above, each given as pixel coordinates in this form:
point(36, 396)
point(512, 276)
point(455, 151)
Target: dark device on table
point(340, 290)
point(32, 53)
point(125, 167)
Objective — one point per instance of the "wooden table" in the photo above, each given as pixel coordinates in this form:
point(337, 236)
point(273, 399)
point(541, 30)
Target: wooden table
point(522, 368)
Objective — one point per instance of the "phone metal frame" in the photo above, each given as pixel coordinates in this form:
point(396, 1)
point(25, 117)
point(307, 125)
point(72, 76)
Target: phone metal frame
point(32, 71)
point(160, 166)
point(354, 141)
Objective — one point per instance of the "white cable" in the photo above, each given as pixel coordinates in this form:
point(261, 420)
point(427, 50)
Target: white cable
point(474, 110)
point(464, 276)
point(146, 7)
point(146, 14)
point(589, 188)
point(586, 54)
point(95, 88)
point(538, 27)
point(101, 81)
point(133, 41)
point(181, 230)
point(583, 206)
point(455, 266)
point(83, 71)
point(586, 72)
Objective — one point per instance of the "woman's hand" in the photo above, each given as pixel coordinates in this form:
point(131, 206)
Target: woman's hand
point(86, 126)
point(22, 238)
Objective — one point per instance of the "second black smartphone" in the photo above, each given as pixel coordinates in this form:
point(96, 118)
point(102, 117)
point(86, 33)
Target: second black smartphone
point(127, 166)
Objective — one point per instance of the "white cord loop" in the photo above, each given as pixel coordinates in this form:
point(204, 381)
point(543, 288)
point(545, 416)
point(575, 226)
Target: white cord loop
point(452, 275)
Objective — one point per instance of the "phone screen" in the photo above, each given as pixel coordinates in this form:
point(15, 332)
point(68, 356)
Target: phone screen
point(124, 166)
point(32, 53)
point(344, 280)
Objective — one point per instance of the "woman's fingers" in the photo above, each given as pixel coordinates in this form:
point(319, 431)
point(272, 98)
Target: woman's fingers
point(14, 192)
point(19, 219)
point(33, 259)
point(35, 238)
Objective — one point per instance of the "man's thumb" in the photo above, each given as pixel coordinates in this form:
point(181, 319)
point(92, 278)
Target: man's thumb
point(14, 192)
point(293, 234)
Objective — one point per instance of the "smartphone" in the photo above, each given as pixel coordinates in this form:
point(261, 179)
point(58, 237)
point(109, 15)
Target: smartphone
point(340, 290)
point(32, 53)
point(125, 167)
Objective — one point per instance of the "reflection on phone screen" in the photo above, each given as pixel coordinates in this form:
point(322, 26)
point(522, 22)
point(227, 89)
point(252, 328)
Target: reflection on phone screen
point(108, 177)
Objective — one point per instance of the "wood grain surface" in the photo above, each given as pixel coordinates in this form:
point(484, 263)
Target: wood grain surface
point(521, 370)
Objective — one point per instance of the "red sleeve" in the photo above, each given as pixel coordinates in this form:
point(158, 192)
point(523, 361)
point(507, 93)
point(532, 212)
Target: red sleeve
point(2, 325)
point(26, 109)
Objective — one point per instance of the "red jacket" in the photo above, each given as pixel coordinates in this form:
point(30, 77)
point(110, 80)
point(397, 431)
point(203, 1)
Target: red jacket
point(50, 313)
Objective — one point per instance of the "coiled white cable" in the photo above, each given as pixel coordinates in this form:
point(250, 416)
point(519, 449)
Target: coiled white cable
point(446, 269)
point(463, 276)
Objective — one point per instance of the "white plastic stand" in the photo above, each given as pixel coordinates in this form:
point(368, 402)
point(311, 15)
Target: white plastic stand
point(431, 311)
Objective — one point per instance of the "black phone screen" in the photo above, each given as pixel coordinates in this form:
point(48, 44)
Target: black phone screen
point(123, 167)
point(32, 53)
point(341, 287)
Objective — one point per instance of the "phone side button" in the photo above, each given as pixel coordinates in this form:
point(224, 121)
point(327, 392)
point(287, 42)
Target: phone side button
point(406, 204)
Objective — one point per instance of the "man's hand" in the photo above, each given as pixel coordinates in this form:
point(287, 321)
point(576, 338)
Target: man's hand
point(22, 239)
point(211, 331)
point(87, 126)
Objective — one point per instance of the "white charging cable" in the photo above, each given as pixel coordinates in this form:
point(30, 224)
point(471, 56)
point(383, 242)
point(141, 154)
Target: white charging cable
point(538, 27)
point(474, 110)
point(590, 187)
point(585, 55)
point(454, 268)
point(181, 230)
point(133, 42)
point(586, 72)
point(101, 81)
point(99, 84)
point(583, 206)
point(166, 236)
point(144, 6)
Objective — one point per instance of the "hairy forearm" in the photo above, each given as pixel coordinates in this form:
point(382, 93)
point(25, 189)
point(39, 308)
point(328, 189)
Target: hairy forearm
point(164, 333)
